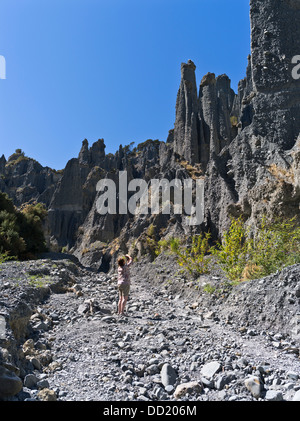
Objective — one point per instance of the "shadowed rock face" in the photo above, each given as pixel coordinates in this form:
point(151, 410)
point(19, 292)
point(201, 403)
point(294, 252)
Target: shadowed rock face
point(275, 31)
point(243, 144)
point(216, 99)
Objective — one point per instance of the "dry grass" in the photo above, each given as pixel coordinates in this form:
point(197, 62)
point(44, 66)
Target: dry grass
point(282, 174)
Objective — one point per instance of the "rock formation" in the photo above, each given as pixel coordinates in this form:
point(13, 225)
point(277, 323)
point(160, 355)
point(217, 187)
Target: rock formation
point(25, 180)
point(274, 42)
point(186, 130)
point(202, 123)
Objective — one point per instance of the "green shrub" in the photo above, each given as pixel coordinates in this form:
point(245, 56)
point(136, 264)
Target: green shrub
point(21, 231)
point(275, 246)
point(31, 220)
point(6, 203)
point(193, 257)
point(210, 289)
point(272, 247)
point(10, 241)
point(232, 253)
point(172, 244)
point(4, 257)
point(241, 255)
point(234, 121)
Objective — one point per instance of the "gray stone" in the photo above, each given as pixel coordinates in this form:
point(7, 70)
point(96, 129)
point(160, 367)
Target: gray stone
point(207, 383)
point(274, 395)
point(83, 308)
point(10, 384)
point(108, 319)
point(224, 379)
point(36, 363)
point(296, 397)
point(169, 389)
point(43, 384)
point(289, 386)
point(31, 381)
point(168, 375)
point(159, 393)
point(152, 369)
point(210, 369)
point(254, 385)
point(293, 375)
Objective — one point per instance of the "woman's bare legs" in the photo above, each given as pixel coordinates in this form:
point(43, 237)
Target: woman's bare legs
point(120, 304)
point(123, 303)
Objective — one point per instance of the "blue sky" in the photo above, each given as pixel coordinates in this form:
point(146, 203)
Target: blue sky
point(109, 69)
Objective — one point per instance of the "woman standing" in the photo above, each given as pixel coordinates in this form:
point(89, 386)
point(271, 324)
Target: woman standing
point(123, 282)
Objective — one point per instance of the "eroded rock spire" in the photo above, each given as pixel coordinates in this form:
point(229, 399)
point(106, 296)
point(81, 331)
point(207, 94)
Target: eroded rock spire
point(186, 129)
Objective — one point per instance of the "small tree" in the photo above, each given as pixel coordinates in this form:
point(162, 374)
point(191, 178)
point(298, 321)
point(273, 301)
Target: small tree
point(195, 258)
point(232, 252)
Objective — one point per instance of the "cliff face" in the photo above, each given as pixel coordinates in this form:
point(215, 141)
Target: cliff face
point(186, 130)
point(202, 124)
point(256, 173)
point(25, 180)
point(244, 145)
point(275, 34)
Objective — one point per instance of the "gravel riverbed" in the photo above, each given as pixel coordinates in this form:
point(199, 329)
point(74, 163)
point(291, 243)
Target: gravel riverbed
point(176, 343)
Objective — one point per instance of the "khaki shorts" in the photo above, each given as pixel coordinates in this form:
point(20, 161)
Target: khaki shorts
point(124, 289)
